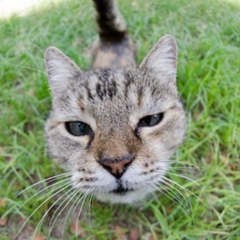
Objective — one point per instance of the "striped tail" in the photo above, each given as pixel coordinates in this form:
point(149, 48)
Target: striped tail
point(114, 48)
point(111, 25)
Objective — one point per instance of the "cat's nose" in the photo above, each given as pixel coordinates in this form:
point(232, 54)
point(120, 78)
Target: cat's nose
point(117, 166)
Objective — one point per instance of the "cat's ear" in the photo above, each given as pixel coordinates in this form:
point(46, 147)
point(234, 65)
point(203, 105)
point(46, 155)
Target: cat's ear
point(60, 69)
point(161, 61)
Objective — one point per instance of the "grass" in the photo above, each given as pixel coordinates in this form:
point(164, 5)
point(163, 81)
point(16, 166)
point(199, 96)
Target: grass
point(208, 37)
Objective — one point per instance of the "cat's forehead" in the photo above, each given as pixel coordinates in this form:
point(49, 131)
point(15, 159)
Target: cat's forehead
point(108, 83)
point(116, 95)
point(105, 97)
point(101, 87)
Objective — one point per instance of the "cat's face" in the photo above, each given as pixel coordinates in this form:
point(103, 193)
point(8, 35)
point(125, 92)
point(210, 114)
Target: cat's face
point(115, 130)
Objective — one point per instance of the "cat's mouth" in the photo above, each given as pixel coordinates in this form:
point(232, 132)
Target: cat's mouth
point(120, 190)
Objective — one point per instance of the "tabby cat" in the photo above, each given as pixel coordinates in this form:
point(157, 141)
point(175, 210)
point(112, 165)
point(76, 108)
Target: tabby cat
point(115, 127)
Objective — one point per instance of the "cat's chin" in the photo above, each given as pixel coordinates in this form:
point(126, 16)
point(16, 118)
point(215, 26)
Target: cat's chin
point(124, 196)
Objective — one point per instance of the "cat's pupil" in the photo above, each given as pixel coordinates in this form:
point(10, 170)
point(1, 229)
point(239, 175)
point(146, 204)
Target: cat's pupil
point(78, 128)
point(150, 120)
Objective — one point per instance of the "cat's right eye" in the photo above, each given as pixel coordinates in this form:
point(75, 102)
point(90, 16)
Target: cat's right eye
point(78, 128)
point(151, 120)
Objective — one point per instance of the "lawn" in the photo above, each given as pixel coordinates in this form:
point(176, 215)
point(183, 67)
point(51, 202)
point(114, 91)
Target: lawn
point(203, 200)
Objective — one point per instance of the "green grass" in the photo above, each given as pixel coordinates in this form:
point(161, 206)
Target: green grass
point(208, 37)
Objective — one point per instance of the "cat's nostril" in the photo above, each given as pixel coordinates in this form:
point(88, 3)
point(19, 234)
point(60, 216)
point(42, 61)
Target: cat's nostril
point(117, 166)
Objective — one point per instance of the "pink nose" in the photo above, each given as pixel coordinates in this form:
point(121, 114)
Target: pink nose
point(117, 166)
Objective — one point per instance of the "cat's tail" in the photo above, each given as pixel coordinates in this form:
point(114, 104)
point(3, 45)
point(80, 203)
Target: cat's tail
point(114, 48)
point(111, 25)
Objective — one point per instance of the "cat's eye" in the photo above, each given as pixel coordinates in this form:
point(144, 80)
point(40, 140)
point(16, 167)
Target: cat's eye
point(78, 128)
point(151, 120)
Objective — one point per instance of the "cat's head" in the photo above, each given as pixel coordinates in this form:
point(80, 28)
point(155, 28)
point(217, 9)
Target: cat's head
point(115, 130)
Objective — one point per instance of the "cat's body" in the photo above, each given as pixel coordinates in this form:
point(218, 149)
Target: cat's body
point(114, 48)
point(115, 127)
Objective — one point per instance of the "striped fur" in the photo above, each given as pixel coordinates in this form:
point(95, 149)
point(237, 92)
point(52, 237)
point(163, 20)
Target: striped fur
point(112, 98)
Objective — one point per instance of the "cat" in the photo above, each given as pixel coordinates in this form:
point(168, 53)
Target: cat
point(115, 127)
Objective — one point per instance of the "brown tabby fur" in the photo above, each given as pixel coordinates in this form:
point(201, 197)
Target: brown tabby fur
point(120, 162)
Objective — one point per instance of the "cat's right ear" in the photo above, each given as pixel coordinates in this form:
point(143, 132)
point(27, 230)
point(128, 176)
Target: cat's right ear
point(161, 62)
point(60, 69)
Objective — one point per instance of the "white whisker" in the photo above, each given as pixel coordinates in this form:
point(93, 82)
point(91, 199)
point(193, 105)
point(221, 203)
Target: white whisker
point(80, 210)
point(42, 190)
point(175, 196)
point(70, 210)
point(45, 214)
point(184, 188)
point(45, 180)
point(89, 209)
point(62, 189)
point(71, 196)
point(185, 177)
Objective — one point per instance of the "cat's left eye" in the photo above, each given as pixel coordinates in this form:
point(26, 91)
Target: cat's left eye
point(151, 120)
point(78, 128)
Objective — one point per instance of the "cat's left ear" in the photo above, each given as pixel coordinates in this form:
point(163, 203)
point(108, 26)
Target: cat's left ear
point(60, 69)
point(161, 61)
